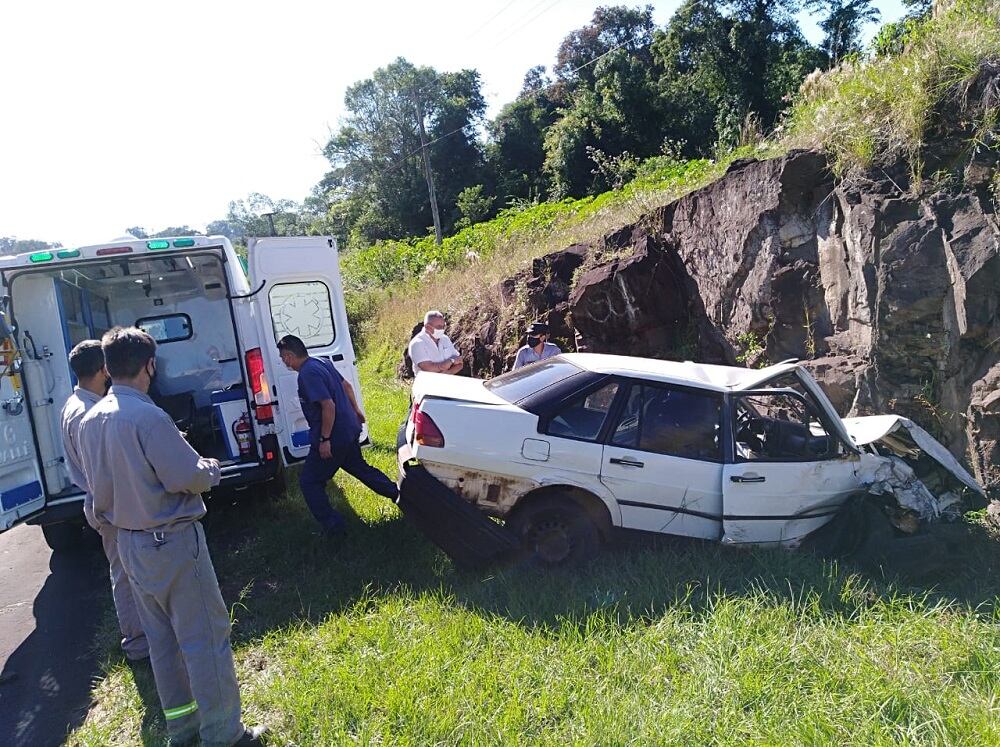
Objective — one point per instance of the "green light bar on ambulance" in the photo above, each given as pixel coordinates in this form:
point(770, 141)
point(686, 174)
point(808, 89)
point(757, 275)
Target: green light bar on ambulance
point(157, 245)
point(68, 253)
point(183, 242)
point(41, 257)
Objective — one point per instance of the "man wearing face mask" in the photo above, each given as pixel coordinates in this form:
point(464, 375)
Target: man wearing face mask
point(538, 348)
point(147, 481)
point(86, 361)
point(431, 350)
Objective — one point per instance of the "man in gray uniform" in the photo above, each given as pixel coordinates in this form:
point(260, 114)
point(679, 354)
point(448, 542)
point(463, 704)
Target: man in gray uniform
point(146, 481)
point(87, 363)
point(538, 347)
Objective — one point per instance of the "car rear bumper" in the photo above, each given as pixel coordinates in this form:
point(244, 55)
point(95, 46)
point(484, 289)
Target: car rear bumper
point(466, 534)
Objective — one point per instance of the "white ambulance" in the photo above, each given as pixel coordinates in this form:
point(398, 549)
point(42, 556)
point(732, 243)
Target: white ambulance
point(216, 320)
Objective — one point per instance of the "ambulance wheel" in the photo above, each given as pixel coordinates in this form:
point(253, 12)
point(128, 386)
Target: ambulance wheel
point(67, 536)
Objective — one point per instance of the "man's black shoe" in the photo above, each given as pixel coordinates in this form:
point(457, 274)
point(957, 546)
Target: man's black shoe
point(252, 737)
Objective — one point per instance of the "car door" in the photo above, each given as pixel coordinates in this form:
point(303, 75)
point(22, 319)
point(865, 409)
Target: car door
point(297, 289)
point(791, 472)
point(21, 492)
point(663, 460)
point(571, 434)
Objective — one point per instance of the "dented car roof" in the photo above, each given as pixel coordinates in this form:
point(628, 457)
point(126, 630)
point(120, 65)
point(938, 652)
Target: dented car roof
point(703, 375)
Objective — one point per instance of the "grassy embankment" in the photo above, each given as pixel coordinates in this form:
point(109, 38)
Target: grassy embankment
point(667, 642)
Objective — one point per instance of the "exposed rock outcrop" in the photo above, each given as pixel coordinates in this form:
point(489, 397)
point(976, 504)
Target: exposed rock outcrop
point(892, 296)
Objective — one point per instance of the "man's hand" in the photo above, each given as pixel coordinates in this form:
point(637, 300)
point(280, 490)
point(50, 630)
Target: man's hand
point(214, 462)
point(361, 417)
point(325, 452)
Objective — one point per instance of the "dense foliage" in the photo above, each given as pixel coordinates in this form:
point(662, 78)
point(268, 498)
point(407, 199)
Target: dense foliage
point(720, 73)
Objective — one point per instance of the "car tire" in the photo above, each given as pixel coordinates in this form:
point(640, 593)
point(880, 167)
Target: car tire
point(68, 537)
point(555, 530)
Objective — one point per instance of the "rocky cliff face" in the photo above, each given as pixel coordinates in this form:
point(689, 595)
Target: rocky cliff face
point(892, 297)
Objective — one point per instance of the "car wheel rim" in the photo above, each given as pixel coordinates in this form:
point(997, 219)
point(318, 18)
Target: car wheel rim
point(552, 540)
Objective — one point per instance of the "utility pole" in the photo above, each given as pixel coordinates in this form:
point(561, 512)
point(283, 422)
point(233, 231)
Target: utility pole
point(427, 170)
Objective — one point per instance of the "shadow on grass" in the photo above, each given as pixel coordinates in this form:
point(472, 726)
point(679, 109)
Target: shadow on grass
point(277, 570)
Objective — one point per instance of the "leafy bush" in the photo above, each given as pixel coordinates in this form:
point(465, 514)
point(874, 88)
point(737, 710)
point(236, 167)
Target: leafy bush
point(388, 262)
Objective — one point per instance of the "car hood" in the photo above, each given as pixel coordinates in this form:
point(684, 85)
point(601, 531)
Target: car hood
point(906, 439)
point(446, 386)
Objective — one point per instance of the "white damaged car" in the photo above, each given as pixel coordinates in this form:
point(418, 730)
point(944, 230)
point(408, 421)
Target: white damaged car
point(568, 449)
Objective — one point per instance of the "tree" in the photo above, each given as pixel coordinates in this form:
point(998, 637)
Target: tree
point(138, 231)
point(609, 98)
point(184, 230)
point(842, 25)
point(516, 151)
point(10, 245)
point(260, 215)
point(725, 61)
point(376, 154)
point(610, 28)
point(474, 205)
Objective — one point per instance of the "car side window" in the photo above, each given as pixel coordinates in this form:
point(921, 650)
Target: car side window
point(671, 421)
point(780, 426)
point(583, 417)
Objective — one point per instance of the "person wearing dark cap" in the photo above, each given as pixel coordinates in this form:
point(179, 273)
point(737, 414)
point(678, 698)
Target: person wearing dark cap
point(538, 348)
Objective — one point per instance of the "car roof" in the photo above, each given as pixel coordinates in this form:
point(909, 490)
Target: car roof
point(687, 373)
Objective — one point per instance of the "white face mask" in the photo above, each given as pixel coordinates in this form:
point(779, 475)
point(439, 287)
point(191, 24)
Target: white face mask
point(438, 334)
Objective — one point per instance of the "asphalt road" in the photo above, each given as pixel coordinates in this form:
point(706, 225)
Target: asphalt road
point(50, 607)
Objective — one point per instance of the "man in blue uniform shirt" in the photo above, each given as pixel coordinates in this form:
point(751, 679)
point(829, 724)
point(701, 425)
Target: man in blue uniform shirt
point(334, 416)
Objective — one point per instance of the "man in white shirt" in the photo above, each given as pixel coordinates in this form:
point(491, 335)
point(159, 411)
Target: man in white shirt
point(431, 350)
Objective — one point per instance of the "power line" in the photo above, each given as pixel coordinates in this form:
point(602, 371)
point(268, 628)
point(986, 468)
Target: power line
point(490, 20)
point(438, 77)
point(541, 90)
point(531, 20)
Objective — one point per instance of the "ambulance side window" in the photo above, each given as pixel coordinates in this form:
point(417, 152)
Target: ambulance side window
point(304, 310)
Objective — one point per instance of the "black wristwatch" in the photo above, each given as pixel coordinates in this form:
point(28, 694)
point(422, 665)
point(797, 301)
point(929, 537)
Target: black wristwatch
point(324, 439)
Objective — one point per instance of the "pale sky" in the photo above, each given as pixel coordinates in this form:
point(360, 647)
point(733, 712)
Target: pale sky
point(117, 114)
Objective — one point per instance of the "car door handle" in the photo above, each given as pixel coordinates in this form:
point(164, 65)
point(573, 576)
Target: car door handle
point(627, 462)
point(748, 478)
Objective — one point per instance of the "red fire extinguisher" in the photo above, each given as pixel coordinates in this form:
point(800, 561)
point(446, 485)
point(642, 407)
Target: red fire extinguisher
point(242, 431)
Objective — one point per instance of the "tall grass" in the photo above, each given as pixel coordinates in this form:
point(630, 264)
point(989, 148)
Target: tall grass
point(873, 112)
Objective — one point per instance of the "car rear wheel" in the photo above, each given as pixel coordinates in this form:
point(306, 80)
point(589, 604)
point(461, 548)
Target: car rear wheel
point(555, 530)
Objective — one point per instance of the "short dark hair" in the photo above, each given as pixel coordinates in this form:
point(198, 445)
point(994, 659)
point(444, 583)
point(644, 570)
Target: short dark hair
point(126, 351)
point(86, 359)
point(293, 345)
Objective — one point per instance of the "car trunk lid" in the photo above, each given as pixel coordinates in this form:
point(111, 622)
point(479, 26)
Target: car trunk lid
point(446, 386)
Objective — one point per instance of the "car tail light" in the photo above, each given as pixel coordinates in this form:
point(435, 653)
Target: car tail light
point(425, 430)
point(259, 385)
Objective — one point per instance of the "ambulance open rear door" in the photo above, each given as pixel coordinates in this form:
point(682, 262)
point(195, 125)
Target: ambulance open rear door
point(297, 287)
point(21, 492)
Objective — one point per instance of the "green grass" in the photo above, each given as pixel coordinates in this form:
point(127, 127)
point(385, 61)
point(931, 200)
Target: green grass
point(657, 642)
point(873, 112)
